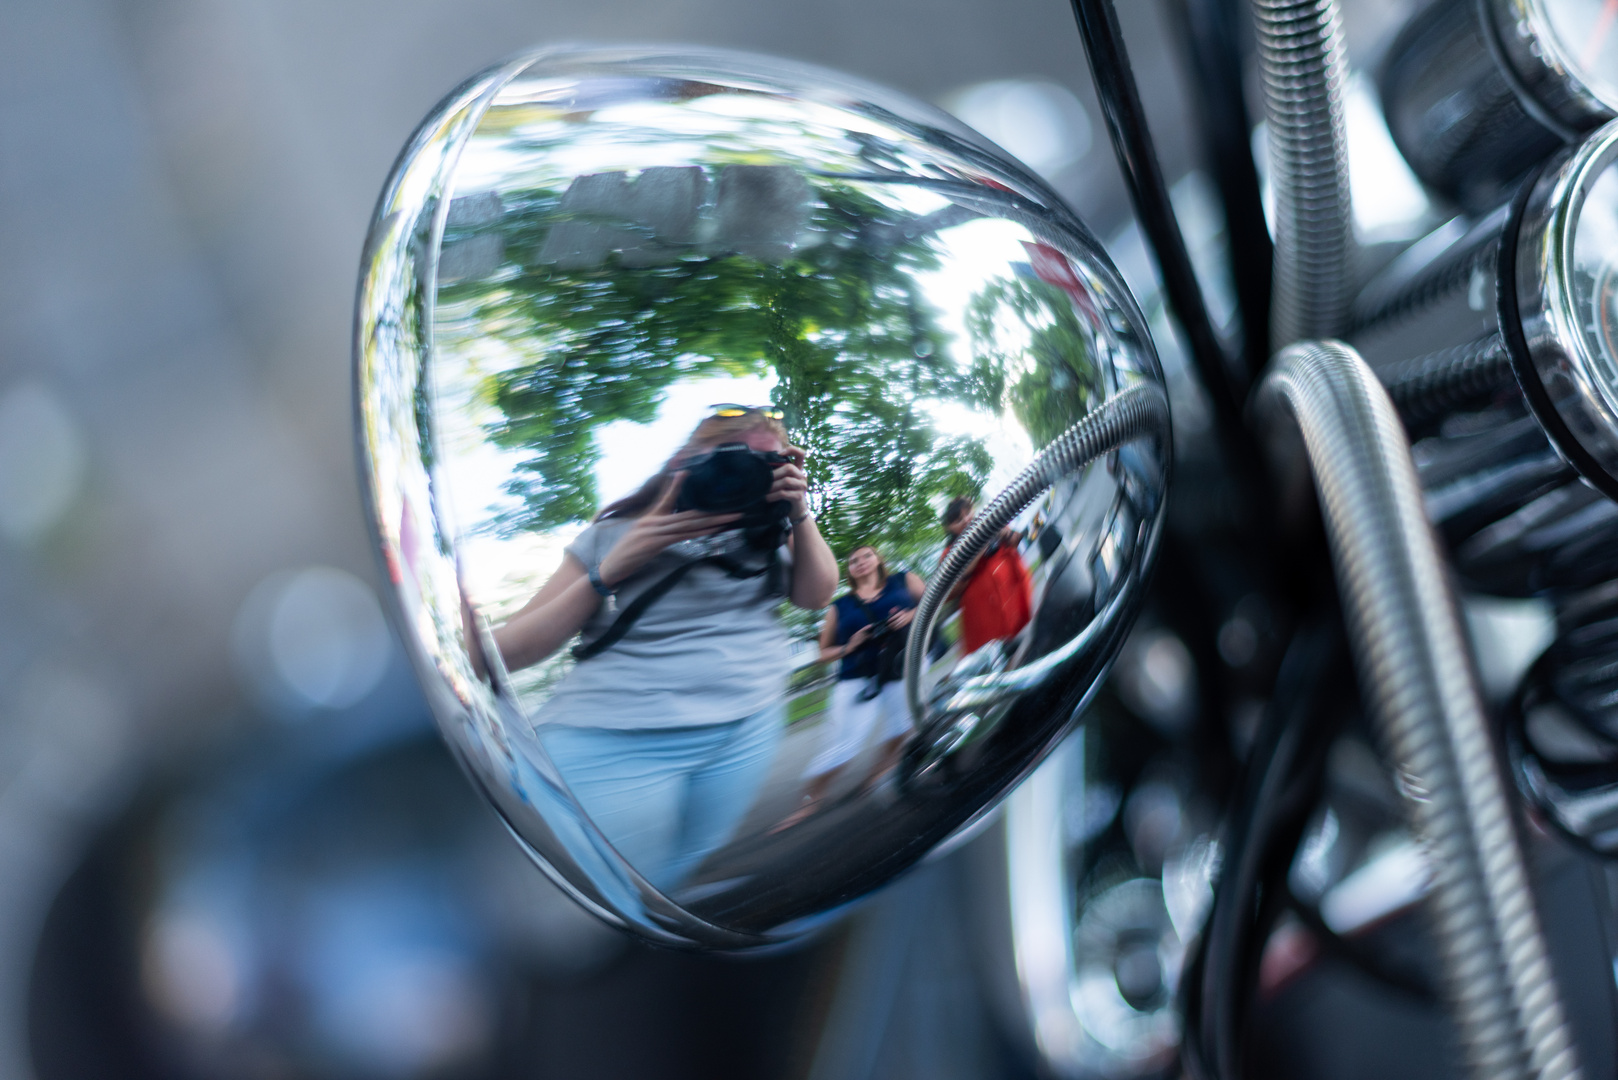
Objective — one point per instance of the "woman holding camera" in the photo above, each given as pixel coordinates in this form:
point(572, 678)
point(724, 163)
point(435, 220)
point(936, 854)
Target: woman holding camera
point(865, 633)
point(666, 727)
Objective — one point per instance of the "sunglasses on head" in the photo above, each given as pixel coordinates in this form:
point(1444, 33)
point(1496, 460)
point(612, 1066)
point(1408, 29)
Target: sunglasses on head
point(729, 410)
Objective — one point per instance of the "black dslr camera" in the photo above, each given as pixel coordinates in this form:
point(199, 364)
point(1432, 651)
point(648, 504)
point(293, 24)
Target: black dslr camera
point(734, 478)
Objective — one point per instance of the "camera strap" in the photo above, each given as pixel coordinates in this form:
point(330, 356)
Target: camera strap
point(632, 612)
point(870, 616)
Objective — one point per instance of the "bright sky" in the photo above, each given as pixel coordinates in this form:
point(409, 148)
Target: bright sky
point(631, 452)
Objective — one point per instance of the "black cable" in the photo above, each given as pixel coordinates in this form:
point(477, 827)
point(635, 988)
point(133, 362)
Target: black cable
point(1208, 38)
point(1132, 141)
point(1275, 795)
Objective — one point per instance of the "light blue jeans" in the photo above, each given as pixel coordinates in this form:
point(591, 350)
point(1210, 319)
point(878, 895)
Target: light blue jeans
point(667, 798)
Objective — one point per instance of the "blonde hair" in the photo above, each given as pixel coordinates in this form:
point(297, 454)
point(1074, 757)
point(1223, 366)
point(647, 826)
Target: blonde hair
point(714, 431)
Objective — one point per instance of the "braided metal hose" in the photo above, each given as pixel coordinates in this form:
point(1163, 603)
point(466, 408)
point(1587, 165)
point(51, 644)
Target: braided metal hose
point(1304, 70)
point(1419, 683)
point(1137, 412)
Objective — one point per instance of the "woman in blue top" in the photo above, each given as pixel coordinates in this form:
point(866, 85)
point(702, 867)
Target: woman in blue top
point(860, 703)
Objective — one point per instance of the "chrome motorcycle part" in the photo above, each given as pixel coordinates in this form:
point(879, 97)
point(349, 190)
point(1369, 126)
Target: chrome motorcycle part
point(1563, 728)
point(1304, 72)
point(1565, 54)
point(1566, 298)
point(1512, 392)
point(1100, 880)
point(1477, 92)
point(577, 254)
point(1417, 680)
point(1141, 412)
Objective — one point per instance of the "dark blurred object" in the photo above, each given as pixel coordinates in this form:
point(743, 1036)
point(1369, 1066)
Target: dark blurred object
point(1562, 730)
point(1452, 110)
point(1486, 335)
point(730, 478)
point(1476, 94)
point(1334, 1019)
point(289, 917)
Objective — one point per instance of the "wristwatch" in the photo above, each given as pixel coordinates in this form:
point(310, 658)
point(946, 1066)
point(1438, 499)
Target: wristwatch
point(602, 587)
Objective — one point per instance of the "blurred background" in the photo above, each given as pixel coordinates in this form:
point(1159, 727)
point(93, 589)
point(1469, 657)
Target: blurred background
point(229, 843)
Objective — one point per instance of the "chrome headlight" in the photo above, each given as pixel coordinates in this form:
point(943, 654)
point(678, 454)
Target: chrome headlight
point(581, 259)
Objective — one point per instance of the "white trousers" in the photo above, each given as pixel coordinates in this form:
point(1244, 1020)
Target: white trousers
point(852, 722)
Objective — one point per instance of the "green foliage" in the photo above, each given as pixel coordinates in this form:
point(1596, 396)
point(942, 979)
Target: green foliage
point(858, 353)
point(1031, 351)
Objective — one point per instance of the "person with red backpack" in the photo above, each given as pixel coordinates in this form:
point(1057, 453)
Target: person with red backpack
point(996, 593)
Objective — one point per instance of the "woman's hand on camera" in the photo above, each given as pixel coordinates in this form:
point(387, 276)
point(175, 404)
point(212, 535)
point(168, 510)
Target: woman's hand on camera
point(856, 639)
point(791, 482)
point(656, 529)
point(814, 568)
point(901, 618)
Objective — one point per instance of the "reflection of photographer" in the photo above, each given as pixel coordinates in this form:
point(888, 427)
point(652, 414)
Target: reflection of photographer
point(996, 593)
point(665, 728)
point(865, 633)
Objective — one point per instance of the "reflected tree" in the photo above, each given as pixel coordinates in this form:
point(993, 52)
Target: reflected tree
point(604, 308)
point(1032, 352)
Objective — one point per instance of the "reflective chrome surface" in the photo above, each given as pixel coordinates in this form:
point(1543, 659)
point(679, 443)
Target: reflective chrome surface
point(581, 260)
point(1420, 685)
point(1477, 94)
point(1108, 863)
point(1513, 513)
point(1563, 730)
point(1565, 52)
point(1566, 268)
point(1509, 394)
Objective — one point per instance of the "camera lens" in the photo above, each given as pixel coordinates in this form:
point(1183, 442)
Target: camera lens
point(733, 477)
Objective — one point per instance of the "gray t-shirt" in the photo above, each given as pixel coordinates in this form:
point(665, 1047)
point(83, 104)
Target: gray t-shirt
point(708, 651)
